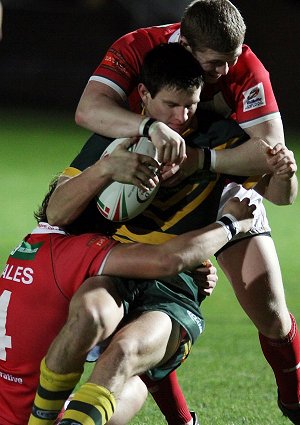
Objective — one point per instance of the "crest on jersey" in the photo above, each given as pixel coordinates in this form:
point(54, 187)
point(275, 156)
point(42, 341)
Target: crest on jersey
point(254, 97)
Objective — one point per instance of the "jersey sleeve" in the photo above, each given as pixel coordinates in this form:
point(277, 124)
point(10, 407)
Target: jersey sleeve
point(91, 152)
point(76, 258)
point(121, 65)
point(253, 97)
point(122, 62)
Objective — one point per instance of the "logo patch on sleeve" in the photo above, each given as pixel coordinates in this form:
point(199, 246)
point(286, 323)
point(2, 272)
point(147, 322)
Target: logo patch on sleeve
point(26, 251)
point(254, 97)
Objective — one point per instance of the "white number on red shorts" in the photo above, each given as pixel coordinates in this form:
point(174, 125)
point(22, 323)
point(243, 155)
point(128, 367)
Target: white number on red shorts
point(5, 341)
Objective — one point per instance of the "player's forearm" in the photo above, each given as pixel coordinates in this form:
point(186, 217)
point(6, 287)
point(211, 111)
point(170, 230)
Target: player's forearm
point(278, 190)
point(184, 252)
point(251, 157)
point(248, 159)
point(72, 196)
point(190, 250)
point(106, 115)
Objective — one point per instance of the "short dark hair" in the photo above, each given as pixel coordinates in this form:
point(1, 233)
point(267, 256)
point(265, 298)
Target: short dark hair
point(170, 65)
point(213, 24)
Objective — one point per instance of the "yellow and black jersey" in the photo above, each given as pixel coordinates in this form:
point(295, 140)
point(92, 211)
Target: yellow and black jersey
point(192, 204)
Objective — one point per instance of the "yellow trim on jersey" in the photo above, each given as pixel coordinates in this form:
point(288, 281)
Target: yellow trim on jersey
point(187, 350)
point(190, 207)
point(251, 182)
point(70, 172)
point(124, 235)
point(153, 238)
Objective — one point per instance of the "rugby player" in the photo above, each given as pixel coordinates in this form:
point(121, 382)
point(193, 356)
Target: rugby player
point(237, 86)
point(197, 199)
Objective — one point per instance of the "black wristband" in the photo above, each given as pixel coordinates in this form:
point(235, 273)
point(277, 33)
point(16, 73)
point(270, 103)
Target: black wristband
point(229, 224)
point(147, 126)
point(207, 159)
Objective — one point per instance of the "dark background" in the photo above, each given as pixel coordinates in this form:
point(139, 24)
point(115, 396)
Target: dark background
point(50, 48)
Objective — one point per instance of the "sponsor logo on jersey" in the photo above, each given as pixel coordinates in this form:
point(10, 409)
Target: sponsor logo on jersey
point(114, 60)
point(254, 97)
point(197, 320)
point(26, 251)
point(11, 378)
point(100, 241)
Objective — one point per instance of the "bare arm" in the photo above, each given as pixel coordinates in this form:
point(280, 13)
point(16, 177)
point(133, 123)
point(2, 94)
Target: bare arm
point(248, 159)
point(280, 187)
point(72, 195)
point(251, 158)
point(184, 252)
point(102, 110)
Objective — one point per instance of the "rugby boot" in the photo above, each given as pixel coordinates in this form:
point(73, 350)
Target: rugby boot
point(293, 415)
point(195, 418)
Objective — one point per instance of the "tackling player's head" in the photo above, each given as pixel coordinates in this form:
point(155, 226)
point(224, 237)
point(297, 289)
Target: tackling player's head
point(40, 214)
point(214, 31)
point(170, 85)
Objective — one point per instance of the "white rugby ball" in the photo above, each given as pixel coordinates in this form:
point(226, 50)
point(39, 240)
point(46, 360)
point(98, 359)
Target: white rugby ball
point(120, 201)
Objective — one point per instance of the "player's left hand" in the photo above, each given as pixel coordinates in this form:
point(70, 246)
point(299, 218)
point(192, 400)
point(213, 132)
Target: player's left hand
point(281, 161)
point(206, 278)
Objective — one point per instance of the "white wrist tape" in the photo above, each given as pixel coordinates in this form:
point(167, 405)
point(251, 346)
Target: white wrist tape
point(213, 157)
point(144, 127)
point(207, 159)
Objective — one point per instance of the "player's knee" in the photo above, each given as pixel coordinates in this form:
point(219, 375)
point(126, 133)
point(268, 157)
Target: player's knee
point(89, 316)
point(278, 324)
point(128, 355)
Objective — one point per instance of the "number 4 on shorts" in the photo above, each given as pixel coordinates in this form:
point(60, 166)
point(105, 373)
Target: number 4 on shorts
point(5, 341)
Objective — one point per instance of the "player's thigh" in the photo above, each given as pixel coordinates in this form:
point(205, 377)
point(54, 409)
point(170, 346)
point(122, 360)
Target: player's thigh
point(99, 299)
point(253, 269)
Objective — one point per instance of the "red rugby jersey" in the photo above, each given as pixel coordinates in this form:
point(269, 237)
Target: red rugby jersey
point(244, 94)
point(36, 286)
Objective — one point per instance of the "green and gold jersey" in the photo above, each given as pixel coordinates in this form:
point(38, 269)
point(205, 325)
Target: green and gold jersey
point(192, 204)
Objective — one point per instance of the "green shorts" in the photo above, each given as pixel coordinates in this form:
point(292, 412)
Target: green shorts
point(179, 298)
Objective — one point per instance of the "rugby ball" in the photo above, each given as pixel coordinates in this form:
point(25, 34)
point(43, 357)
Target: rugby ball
point(120, 201)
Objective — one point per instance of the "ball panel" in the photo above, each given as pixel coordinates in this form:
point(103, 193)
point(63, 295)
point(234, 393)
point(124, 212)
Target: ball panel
point(112, 203)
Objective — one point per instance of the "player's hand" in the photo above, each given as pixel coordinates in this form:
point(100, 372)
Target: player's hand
point(242, 211)
point(130, 167)
point(281, 161)
point(173, 174)
point(206, 278)
point(169, 144)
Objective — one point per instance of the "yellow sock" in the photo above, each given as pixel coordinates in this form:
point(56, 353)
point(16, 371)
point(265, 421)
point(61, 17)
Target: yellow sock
point(53, 391)
point(91, 405)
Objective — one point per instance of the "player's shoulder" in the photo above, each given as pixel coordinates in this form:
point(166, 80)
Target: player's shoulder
point(91, 151)
point(152, 35)
point(247, 62)
point(248, 70)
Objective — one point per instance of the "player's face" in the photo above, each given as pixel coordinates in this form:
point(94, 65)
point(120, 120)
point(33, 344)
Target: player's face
point(215, 64)
point(174, 107)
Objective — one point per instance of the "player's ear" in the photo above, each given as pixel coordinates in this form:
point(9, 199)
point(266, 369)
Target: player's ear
point(143, 92)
